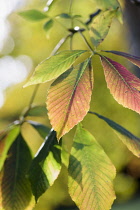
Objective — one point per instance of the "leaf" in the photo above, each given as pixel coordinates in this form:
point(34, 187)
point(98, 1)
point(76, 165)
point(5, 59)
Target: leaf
point(46, 166)
point(48, 25)
point(54, 66)
point(33, 15)
point(91, 173)
point(64, 15)
point(37, 111)
point(134, 59)
point(15, 190)
point(132, 142)
point(5, 142)
point(100, 26)
point(107, 4)
point(69, 97)
point(76, 16)
point(40, 128)
point(123, 85)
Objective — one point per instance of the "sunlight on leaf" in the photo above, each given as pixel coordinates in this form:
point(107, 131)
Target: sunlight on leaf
point(123, 85)
point(100, 26)
point(40, 128)
point(91, 173)
point(69, 97)
point(132, 142)
point(46, 165)
point(6, 140)
point(107, 4)
point(54, 66)
point(33, 15)
point(15, 190)
point(37, 111)
point(134, 59)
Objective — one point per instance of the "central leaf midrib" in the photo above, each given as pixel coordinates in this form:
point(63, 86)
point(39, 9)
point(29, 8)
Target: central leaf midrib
point(16, 169)
point(79, 75)
point(59, 64)
point(122, 78)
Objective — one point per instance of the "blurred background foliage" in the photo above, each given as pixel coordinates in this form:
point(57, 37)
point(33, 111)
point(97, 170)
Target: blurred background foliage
point(26, 44)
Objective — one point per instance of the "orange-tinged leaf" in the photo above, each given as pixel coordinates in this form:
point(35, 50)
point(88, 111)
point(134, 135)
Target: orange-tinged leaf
point(123, 85)
point(69, 97)
point(54, 66)
point(91, 173)
point(134, 59)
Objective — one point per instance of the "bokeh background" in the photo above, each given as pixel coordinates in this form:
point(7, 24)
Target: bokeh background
point(24, 44)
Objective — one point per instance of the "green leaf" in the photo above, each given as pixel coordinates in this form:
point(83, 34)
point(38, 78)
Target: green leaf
point(54, 66)
point(7, 138)
point(46, 166)
point(48, 25)
point(15, 190)
point(132, 142)
point(100, 26)
point(91, 173)
point(76, 16)
point(33, 15)
point(69, 97)
point(107, 4)
point(37, 111)
point(64, 15)
point(41, 129)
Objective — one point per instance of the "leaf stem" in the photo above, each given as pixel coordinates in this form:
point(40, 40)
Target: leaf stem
point(59, 44)
point(70, 8)
point(86, 41)
point(30, 103)
point(70, 13)
point(33, 96)
point(71, 40)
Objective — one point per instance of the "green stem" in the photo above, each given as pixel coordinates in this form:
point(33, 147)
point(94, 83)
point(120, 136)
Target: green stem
point(70, 13)
point(84, 38)
point(30, 103)
point(60, 43)
point(33, 96)
point(70, 8)
point(71, 40)
point(60, 23)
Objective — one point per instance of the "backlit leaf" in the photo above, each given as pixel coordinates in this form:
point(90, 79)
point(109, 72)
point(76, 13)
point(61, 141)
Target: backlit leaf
point(134, 59)
point(54, 66)
point(46, 166)
point(132, 142)
point(37, 111)
point(15, 190)
point(107, 4)
point(6, 140)
point(40, 128)
point(48, 25)
point(100, 26)
point(91, 173)
point(123, 85)
point(33, 15)
point(69, 97)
